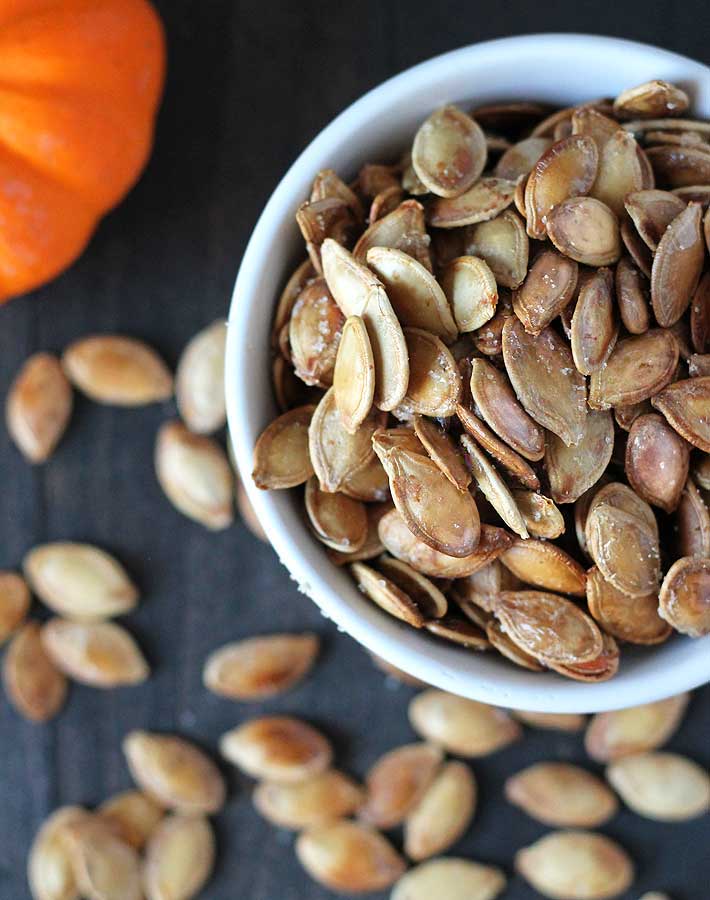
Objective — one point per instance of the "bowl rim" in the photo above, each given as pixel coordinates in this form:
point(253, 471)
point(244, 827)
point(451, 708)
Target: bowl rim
point(401, 645)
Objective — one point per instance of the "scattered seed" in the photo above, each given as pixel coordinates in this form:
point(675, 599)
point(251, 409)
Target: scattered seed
point(455, 879)
point(105, 868)
point(100, 654)
point(38, 407)
point(33, 684)
point(561, 795)
point(684, 601)
point(277, 748)
point(442, 814)
point(308, 804)
point(397, 782)
point(179, 858)
point(623, 732)
point(49, 866)
point(133, 815)
point(199, 380)
point(14, 603)
point(662, 786)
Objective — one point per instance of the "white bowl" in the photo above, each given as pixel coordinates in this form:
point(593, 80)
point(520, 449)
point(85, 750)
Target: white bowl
point(563, 69)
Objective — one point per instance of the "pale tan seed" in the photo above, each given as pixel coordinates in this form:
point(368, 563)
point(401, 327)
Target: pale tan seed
point(561, 795)
point(397, 782)
point(281, 457)
point(442, 814)
point(632, 297)
point(14, 603)
point(519, 159)
point(277, 748)
point(662, 786)
point(199, 380)
point(623, 732)
point(455, 879)
point(402, 229)
point(693, 522)
point(174, 772)
point(415, 295)
point(576, 865)
point(638, 368)
point(461, 726)
point(545, 565)
point(434, 386)
point(260, 667)
point(684, 600)
point(657, 461)
point(677, 266)
point(486, 199)
point(593, 123)
point(105, 868)
point(548, 287)
point(442, 450)
point(33, 684)
point(117, 370)
point(622, 168)
point(571, 722)
point(133, 815)
point(179, 858)
point(585, 229)
point(354, 375)
point(624, 547)
point(511, 461)
point(594, 327)
point(314, 334)
point(38, 407)
point(471, 289)
point(49, 868)
point(307, 804)
point(349, 857)
point(572, 470)
point(686, 406)
point(100, 654)
point(542, 518)
point(601, 668)
point(503, 244)
point(449, 152)
point(493, 487)
point(632, 619)
point(652, 211)
point(545, 380)
point(369, 483)
point(387, 595)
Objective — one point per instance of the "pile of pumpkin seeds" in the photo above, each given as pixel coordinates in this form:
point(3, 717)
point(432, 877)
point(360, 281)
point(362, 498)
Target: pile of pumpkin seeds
point(494, 378)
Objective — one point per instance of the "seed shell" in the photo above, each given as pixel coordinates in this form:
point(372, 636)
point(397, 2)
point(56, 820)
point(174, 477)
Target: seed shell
point(307, 804)
point(100, 654)
point(338, 521)
point(133, 815)
point(33, 684)
point(105, 868)
point(396, 783)
point(657, 461)
point(677, 265)
point(585, 229)
point(548, 287)
point(179, 858)
point(14, 603)
point(561, 795)
point(483, 201)
point(545, 565)
point(38, 407)
point(638, 368)
point(686, 406)
point(336, 455)
point(637, 729)
point(503, 244)
point(662, 786)
point(199, 380)
point(470, 287)
point(455, 879)
point(632, 619)
point(449, 152)
point(442, 814)
point(573, 470)
point(49, 867)
point(684, 600)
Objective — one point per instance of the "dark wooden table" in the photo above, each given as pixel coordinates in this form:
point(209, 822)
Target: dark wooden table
point(250, 83)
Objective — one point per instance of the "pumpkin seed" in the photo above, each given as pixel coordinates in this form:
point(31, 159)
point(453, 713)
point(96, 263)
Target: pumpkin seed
point(548, 627)
point(662, 786)
point(387, 595)
point(561, 795)
point(179, 858)
point(545, 380)
point(677, 266)
point(601, 668)
point(651, 99)
point(350, 857)
point(635, 247)
point(449, 152)
point(680, 166)
point(295, 284)
point(260, 667)
point(455, 879)
point(402, 229)
point(385, 202)
point(461, 726)
point(329, 218)
point(290, 391)
point(497, 403)
point(481, 202)
point(567, 169)
point(354, 375)
point(548, 287)
point(34, 686)
point(459, 631)
point(589, 121)
point(328, 184)
point(373, 546)
point(700, 314)
point(315, 329)
point(481, 587)
point(621, 171)
point(519, 159)
point(623, 732)
point(14, 603)
point(654, 895)
point(199, 380)
point(174, 772)
point(488, 339)
point(638, 368)
point(594, 329)
point(133, 815)
point(684, 601)
point(571, 722)
point(471, 289)
point(699, 365)
point(693, 523)
point(542, 518)
point(442, 814)
point(105, 868)
point(369, 484)
point(514, 464)
point(338, 521)
point(100, 654)
point(573, 470)
point(632, 297)
point(576, 864)
point(443, 452)
point(425, 594)
point(49, 868)
point(685, 406)
point(545, 565)
point(373, 178)
point(321, 799)
point(434, 379)
point(585, 229)
point(657, 461)
point(415, 295)
point(652, 211)
point(632, 619)
point(396, 783)
point(503, 244)
point(493, 487)
point(38, 407)
point(509, 649)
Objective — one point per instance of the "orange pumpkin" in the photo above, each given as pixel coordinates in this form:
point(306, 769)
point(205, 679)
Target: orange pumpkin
point(80, 85)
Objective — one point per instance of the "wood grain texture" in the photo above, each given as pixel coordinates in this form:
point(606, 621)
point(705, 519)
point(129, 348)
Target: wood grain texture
point(250, 83)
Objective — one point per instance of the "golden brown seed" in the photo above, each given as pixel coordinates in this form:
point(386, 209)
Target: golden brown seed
point(462, 727)
point(348, 857)
point(338, 521)
point(471, 289)
point(459, 631)
point(117, 370)
point(503, 244)
point(485, 200)
point(179, 858)
point(174, 772)
point(677, 167)
point(551, 721)
point(657, 461)
point(49, 868)
point(623, 732)
point(651, 99)
point(561, 795)
point(511, 461)
point(429, 600)
point(295, 284)
point(354, 375)
point(14, 603)
point(652, 212)
point(455, 879)
point(260, 666)
point(572, 470)
point(585, 229)
point(594, 328)
point(623, 168)
point(493, 487)
point(199, 380)
point(277, 748)
point(281, 458)
point(449, 152)
point(601, 668)
point(632, 619)
point(315, 330)
point(662, 786)
point(397, 781)
point(33, 684)
point(519, 159)
point(100, 654)
point(385, 202)
point(576, 865)
point(442, 450)
point(545, 565)
point(693, 523)
point(684, 601)
point(38, 407)
point(548, 288)
point(321, 799)
point(402, 229)
point(677, 265)
point(638, 368)
point(442, 814)
point(104, 866)
point(686, 405)
point(542, 518)
point(434, 386)
point(387, 595)
point(632, 297)
point(133, 815)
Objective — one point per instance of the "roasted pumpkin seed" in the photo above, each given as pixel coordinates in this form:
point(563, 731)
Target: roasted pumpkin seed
point(104, 866)
point(686, 406)
point(338, 521)
point(33, 684)
point(455, 879)
point(387, 595)
point(545, 565)
point(638, 368)
point(677, 265)
point(652, 211)
point(442, 451)
point(402, 229)
point(483, 201)
point(426, 595)
point(471, 289)
point(277, 748)
point(632, 297)
point(179, 858)
point(449, 152)
point(637, 729)
point(38, 407)
point(511, 461)
point(509, 649)
point(133, 815)
point(684, 600)
point(680, 166)
point(519, 159)
point(49, 867)
point(315, 330)
point(662, 786)
point(434, 384)
point(396, 783)
point(199, 380)
point(542, 518)
point(503, 244)
point(336, 454)
point(561, 795)
point(657, 461)
point(585, 229)
point(594, 329)
point(14, 603)
point(548, 288)
point(693, 522)
point(100, 654)
point(321, 799)
point(651, 99)
point(442, 814)
point(622, 170)
point(632, 619)
point(493, 487)
point(572, 470)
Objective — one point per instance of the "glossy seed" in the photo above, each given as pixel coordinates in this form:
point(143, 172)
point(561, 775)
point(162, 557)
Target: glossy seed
point(33, 684)
point(636, 248)
point(700, 315)
point(442, 450)
point(260, 667)
point(133, 815)
point(336, 455)
point(315, 330)
point(493, 487)
point(677, 265)
point(349, 857)
point(199, 380)
point(684, 600)
point(307, 804)
point(632, 297)
point(511, 461)
point(638, 368)
point(585, 229)
point(686, 406)
point(576, 865)
point(117, 370)
point(49, 866)
point(104, 866)
point(455, 879)
point(652, 212)
point(485, 200)
point(338, 521)
point(572, 470)
point(174, 772)
point(461, 726)
point(677, 167)
point(397, 782)
point(561, 795)
point(14, 603)
point(622, 169)
point(637, 729)
point(651, 99)
point(179, 858)
point(449, 152)
point(662, 786)
point(631, 619)
point(427, 597)
point(657, 461)
point(434, 385)
point(503, 244)
point(38, 407)
point(545, 565)
point(387, 595)
point(542, 518)
point(442, 814)
point(402, 229)
point(471, 289)
point(594, 327)
point(100, 654)
point(548, 288)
